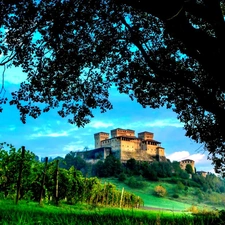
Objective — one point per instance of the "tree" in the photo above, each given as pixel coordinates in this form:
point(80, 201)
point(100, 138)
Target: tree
point(10, 165)
point(112, 166)
point(163, 53)
point(162, 169)
point(131, 166)
point(189, 169)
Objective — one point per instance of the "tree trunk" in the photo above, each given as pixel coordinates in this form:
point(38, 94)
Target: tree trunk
point(20, 175)
point(43, 180)
point(57, 183)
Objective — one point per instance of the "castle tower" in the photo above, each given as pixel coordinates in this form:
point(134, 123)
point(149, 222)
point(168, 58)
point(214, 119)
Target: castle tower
point(100, 137)
point(145, 135)
point(122, 132)
point(184, 162)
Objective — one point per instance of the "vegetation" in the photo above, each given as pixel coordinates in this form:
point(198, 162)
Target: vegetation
point(142, 178)
point(164, 53)
point(86, 200)
point(160, 191)
point(189, 169)
point(59, 183)
point(30, 214)
point(134, 173)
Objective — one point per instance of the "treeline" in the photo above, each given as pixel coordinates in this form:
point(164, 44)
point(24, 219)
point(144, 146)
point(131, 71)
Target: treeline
point(23, 176)
point(154, 171)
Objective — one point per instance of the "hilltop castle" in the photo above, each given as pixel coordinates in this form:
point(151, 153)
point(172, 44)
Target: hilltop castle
point(124, 145)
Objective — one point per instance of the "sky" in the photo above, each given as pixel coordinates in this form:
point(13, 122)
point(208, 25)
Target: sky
point(50, 135)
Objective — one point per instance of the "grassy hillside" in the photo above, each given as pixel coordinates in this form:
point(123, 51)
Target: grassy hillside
point(185, 199)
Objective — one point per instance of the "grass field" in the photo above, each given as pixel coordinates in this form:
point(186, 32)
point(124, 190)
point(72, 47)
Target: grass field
point(186, 210)
point(33, 214)
point(150, 200)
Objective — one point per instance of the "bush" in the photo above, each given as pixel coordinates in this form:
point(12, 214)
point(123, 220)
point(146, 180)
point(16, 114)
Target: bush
point(175, 196)
point(135, 183)
point(160, 191)
point(180, 185)
point(122, 177)
point(193, 209)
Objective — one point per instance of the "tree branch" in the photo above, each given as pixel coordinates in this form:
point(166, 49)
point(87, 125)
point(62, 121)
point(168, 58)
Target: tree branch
point(206, 100)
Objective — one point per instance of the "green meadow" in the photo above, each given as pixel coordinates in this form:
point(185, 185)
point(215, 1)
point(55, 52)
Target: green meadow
point(185, 201)
point(31, 213)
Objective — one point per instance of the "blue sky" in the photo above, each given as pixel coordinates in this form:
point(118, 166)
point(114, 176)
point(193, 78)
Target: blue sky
point(51, 135)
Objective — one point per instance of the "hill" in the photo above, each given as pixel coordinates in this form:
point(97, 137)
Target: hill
point(177, 197)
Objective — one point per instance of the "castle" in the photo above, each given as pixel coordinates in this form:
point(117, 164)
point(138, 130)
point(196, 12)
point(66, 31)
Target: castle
point(124, 145)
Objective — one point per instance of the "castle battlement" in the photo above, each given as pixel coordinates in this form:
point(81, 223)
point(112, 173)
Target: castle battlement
point(125, 145)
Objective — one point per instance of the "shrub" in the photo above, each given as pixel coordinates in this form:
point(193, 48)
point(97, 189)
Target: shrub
point(180, 185)
point(205, 212)
point(122, 177)
point(160, 191)
point(194, 209)
point(175, 196)
point(135, 183)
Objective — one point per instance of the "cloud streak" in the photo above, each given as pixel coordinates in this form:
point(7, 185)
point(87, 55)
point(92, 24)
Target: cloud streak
point(100, 124)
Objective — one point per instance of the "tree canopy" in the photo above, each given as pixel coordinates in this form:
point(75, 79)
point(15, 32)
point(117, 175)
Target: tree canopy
point(162, 53)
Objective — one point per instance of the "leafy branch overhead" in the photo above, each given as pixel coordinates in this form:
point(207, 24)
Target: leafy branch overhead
point(162, 53)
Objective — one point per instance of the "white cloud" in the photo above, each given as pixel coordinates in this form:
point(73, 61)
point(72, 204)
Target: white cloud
point(165, 123)
point(64, 133)
point(178, 156)
point(201, 161)
point(99, 124)
point(74, 146)
point(48, 134)
point(155, 124)
point(197, 157)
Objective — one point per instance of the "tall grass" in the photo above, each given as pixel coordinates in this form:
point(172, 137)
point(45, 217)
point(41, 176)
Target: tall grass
point(33, 214)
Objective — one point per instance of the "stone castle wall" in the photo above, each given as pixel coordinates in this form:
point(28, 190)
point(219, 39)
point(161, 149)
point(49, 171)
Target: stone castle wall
point(125, 145)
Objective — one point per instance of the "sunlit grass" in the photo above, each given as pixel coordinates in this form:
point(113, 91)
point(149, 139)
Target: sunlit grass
point(149, 199)
point(31, 213)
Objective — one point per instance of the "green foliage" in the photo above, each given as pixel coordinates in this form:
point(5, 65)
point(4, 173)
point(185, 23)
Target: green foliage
point(110, 167)
point(180, 185)
point(175, 196)
point(10, 161)
point(151, 171)
point(71, 159)
point(162, 169)
point(132, 166)
point(176, 168)
point(189, 169)
point(135, 182)
point(72, 185)
point(73, 58)
point(199, 194)
point(122, 177)
point(184, 175)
